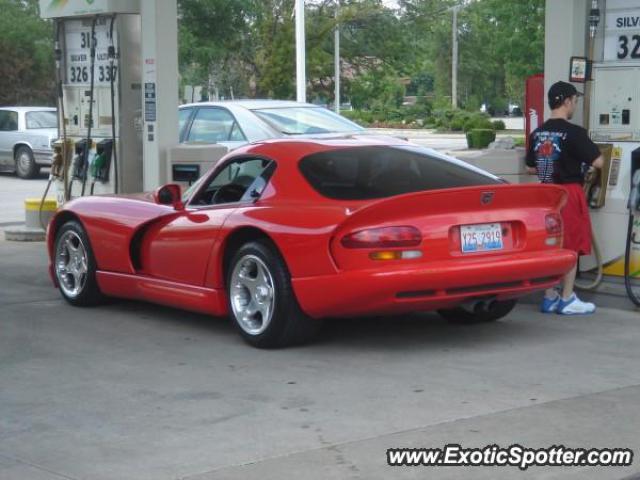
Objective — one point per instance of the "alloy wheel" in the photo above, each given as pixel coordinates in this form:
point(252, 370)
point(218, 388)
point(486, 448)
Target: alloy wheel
point(71, 264)
point(252, 294)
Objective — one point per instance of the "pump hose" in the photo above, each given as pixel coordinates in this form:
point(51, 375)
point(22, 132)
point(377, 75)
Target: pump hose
point(44, 197)
point(91, 98)
point(627, 264)
point(112, 56)
point(590, 178)
point(58, 54)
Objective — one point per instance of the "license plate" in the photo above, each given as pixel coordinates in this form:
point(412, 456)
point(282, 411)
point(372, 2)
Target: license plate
point(481, 238)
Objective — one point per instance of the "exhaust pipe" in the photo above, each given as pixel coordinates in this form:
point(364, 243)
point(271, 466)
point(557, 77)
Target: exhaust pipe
point(480, 306)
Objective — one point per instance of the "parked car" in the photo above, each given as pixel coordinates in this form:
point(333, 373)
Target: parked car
point(513, 110)
point(26, 134)
point(488, 109)
point(237, 122)
point(282, 233)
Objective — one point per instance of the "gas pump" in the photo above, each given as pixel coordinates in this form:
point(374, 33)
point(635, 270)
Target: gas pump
point(98, 60)
point(632, 250)
point(119, 82)
point(614, 121)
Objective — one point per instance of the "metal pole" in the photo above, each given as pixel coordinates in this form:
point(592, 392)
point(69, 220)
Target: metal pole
point(336, 61)
point(301, 80)
point(594, 20)
point(454, 59)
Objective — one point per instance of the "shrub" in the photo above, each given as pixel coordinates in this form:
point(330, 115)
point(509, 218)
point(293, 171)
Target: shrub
point(457, 124)
point(480, 137)
point(478, 121)
point(499, 125)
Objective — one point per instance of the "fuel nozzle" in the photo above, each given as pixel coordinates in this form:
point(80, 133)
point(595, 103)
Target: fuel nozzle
point(57, 159)
point(634, 197)
point(79, 162)
point(101, 163)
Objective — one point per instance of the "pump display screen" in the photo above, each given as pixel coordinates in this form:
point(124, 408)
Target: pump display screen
point(78, 38)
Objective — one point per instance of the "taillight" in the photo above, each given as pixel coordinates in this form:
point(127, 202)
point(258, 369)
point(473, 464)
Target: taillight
point(385, 237)
point(553, 224)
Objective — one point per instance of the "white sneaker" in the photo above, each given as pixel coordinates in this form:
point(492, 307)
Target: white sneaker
point(574, 306)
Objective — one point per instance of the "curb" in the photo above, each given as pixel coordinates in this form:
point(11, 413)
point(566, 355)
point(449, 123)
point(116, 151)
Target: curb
point(24, 234)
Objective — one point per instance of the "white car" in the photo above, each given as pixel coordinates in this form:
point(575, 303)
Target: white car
point(26, 134)
point(235, 123)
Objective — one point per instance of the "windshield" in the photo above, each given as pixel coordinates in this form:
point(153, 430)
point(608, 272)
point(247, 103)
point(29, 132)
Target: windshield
point(364, 173)
point(306, 120)
point(42, 119)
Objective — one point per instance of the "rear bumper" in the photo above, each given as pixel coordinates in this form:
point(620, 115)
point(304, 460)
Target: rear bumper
point(428, 287)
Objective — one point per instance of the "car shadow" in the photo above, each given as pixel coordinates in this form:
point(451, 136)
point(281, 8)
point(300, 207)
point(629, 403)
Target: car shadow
point(425, 330)
point(388, 333)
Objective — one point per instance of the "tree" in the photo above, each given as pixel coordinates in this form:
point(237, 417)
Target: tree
point(26, 48)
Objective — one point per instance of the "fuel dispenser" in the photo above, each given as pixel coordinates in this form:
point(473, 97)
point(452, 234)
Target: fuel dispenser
point(98, 69)
point(615, 126)
point(632, 250)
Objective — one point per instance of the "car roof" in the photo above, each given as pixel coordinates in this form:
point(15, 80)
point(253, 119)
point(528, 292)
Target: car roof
point(307, 145)
point(252, 104)
point(29, 109)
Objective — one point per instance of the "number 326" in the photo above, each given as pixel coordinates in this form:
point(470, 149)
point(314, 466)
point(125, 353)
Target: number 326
point(625, 46)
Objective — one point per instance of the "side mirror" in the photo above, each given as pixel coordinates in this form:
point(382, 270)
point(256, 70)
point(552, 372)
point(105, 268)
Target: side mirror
point(169, 194)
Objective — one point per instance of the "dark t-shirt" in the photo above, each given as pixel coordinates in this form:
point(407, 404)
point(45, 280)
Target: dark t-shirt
point(558, 149)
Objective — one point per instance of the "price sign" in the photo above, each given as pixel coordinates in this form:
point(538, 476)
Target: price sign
point(78, 38)
point(622, 33)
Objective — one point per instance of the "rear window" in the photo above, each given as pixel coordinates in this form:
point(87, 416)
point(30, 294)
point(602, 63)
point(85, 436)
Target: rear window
point(306, 120)
point(377, 172)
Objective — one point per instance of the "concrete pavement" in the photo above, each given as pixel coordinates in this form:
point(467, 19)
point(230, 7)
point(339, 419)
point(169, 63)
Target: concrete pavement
point(136, 391)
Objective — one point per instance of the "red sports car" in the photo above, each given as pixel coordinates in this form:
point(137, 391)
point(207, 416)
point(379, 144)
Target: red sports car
point(283, 233)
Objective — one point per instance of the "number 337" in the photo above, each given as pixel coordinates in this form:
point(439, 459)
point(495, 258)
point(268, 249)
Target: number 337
point(625, 46)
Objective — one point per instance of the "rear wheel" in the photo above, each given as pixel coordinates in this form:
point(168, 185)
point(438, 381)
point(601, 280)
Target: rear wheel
point(488, 312)
point(75, 266)
point(261, 301)
point(26, 166)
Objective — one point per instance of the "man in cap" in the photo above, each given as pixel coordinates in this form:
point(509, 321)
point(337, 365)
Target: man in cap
point(558, 150)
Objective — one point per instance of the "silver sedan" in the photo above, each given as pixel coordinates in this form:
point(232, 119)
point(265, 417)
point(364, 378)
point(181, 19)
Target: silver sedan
point(26, 134)
point(237, 122)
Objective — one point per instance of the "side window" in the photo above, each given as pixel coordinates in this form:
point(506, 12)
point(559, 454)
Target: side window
point(183, 117)
point(237, 181)
point(212, 125)
point(8, 121)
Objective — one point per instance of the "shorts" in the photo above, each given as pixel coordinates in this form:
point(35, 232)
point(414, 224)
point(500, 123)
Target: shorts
point(576, 220)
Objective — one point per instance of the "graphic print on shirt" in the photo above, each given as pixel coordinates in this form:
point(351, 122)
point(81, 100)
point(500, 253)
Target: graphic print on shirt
point(547, 149)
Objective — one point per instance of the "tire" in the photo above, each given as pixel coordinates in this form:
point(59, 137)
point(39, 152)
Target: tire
point(75, 266)
point(496, 311)
point(26, 166)
point(261, 301)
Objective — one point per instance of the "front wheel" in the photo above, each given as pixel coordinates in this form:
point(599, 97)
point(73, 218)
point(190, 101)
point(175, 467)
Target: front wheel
point(261, 300)
point(487, 312)
point(75, 266)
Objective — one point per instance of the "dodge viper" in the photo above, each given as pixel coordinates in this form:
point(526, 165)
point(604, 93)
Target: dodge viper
point(283, 233)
